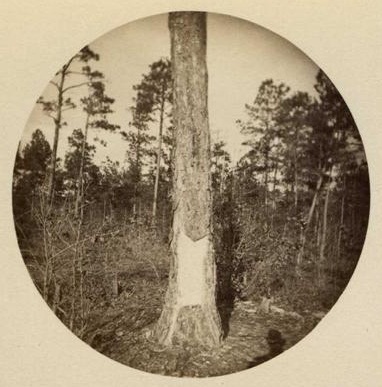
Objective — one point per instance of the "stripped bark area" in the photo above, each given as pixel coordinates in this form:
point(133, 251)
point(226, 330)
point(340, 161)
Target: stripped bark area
point(190, 314)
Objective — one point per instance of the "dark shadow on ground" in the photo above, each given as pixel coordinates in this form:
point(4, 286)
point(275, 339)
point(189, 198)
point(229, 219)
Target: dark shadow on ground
point(276, 343)
point(225, 303)
point(224, 243)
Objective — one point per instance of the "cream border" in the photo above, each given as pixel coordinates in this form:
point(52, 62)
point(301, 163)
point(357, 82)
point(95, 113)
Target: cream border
point(343, 37)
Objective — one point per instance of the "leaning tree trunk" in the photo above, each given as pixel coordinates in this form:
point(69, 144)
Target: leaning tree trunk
point(308, 222)
point(322, 257)
point(190, 314)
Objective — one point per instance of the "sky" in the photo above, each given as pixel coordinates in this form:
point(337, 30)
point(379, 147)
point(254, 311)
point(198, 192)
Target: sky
point(240, 55)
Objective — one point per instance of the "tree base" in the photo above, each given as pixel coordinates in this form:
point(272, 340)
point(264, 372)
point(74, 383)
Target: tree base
point(193, 325)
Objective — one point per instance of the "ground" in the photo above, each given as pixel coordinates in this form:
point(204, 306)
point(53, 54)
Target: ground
point(121, 329)
point(125, 277)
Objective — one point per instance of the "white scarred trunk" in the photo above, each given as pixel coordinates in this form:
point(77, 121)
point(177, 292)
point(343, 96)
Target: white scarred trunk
point(191, 278)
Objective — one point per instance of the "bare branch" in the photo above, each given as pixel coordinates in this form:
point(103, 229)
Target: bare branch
point(75, 73)
point(55, 84)
point(66, 66)
point(69, 108)
point(75, 86)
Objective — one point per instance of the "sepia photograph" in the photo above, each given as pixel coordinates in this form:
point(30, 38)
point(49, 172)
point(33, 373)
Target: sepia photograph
point(192, 199)
point(184, 216)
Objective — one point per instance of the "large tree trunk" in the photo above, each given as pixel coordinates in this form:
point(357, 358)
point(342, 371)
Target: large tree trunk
point(190, 314)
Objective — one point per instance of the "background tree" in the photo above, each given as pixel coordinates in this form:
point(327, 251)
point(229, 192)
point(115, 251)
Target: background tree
point(220, 167)
point(55, 107)
point(264, 131)
point(30, 173)
point(294, 119)
point(116, 189)
point(97, 106)
point(340, 150)
point(139, 146)
point(76, 156)
point(35, 157)
point(154, 93)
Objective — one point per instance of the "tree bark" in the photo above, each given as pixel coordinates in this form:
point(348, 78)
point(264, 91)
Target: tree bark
point(190, 314)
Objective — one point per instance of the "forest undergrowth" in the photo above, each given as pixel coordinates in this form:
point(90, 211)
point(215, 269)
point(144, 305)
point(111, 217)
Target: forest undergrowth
point(105, 278)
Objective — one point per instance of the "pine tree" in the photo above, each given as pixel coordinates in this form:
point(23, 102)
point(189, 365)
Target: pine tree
point(190, 312)
point(154, 95)
point(56, 107)
point(139, 148)
point(97, 106)
point(263, 130)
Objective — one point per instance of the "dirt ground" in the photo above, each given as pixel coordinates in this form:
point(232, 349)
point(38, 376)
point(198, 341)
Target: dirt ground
point(254, 336)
